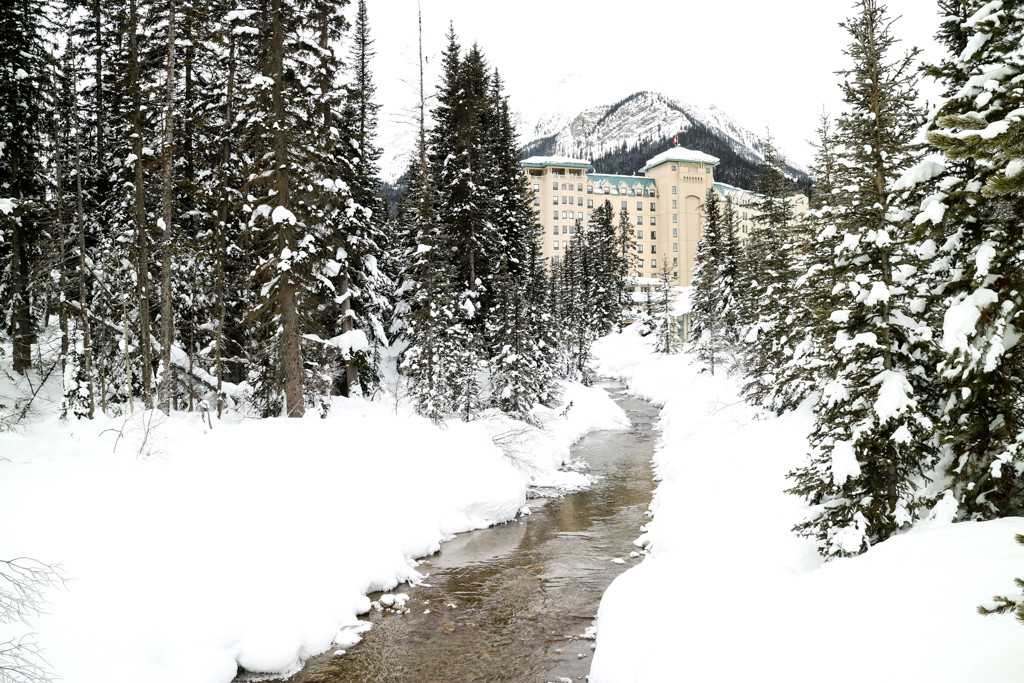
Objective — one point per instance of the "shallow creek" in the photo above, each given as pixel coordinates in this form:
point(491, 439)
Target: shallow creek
point(511, 603)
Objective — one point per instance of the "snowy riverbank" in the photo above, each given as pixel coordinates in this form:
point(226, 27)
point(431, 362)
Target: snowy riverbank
point(253, 543)
point(729, 594)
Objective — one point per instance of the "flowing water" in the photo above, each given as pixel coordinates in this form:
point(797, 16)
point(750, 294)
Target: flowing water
point(511, 603)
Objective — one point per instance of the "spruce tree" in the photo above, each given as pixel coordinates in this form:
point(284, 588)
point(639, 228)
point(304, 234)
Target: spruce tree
point(25, 84)
point(709, 292)
point(666, 335)
point(871, 440)
point(766, 284)
point(970, 223)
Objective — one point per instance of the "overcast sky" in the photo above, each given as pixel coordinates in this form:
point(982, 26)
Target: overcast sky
point(766, 63)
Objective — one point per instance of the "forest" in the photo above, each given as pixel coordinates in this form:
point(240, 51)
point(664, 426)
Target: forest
point(192, 219)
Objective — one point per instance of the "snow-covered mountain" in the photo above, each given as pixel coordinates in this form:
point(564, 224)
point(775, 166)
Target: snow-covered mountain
point(619, 137)
point(640, 121)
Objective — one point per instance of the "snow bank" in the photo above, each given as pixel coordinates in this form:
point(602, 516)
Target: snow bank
point(728, 593)
point(190, 551)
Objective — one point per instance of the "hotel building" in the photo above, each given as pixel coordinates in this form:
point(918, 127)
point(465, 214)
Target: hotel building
point(664, 205)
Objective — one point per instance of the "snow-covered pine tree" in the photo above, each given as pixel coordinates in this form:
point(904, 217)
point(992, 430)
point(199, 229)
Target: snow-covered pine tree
point(729, 275)
point(461, 164)
point(626, 257)
point(519, 346)
point(871, 441)
point(817, 275)
point(512, 364)
point(971, 223)
point(288, 213)
point(25, 106)
point(707, 330)
point(666, 329)
point(605, 258)
point(576, 292)
point(767, 280)
point(363, 285)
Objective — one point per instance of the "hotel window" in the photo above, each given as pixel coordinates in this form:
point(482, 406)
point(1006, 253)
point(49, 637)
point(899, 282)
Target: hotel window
point(652, 220)
point(623, 205)
point(590, 189)
point(675, 262)
point(639, 220)
point(564, 244)
point(675, 217)
point(654, 248)
point(579, 200)
point(673, 167)
point(536, 201)
point(564, 186)
point(554, 200)
point(554, 185)
point(572, 215)
point(579, 187)
point(565, 200)
point(673, 189)
point(653, 206)
point(654, 235)
point(565, 230)
point(639, 263)
point(556, 245)
point(556, 215)
point(556, 229)
point(675, 246)
point(673, 203)
point(536, 188)
point(554, 259)
point(639, 234)
point(572, 200)
point(590, 203)
point(675, 232)
point(565, 215)
point(639, 206)
point(639, 248)
point(654, 263)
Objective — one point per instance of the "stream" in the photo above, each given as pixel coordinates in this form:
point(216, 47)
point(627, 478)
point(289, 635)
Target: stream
point(514, 602)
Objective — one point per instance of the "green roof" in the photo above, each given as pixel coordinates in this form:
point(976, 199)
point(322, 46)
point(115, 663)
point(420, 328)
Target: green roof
point(631, 181)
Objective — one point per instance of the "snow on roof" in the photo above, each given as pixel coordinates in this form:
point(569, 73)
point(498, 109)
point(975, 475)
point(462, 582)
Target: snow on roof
point(555, 161)
point(681, 154)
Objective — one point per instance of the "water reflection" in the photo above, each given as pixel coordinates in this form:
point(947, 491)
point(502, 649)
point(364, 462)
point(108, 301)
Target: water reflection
point(524, 592)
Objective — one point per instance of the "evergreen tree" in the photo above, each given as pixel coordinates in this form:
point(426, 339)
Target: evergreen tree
point(818, 274)
point(710, 291)
point(767, 278)
point(25, 73)
point(666, 335)
point(970, 224)
point(870, 443)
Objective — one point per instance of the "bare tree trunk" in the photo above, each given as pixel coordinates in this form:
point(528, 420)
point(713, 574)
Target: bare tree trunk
point(62, 231)
point(84, 322)
point(97, 18)
point(291, 354)
point(222, 220)
point(141, 235)
point(166, 311)
point(21, 313)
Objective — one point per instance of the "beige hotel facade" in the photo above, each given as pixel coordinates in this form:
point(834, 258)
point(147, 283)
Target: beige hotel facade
point(664, 205)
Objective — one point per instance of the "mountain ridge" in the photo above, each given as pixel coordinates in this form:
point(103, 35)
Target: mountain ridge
point(620, 137)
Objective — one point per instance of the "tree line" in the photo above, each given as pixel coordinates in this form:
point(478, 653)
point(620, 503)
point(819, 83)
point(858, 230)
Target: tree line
point(896, 306)
point(191, 213)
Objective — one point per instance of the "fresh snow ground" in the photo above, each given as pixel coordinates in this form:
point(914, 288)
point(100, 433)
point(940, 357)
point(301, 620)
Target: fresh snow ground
point(728, 593)
point(253, 543)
